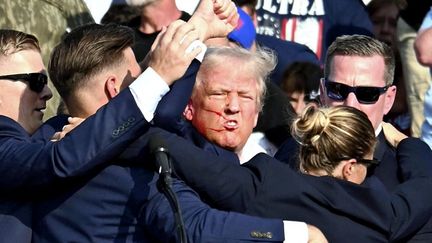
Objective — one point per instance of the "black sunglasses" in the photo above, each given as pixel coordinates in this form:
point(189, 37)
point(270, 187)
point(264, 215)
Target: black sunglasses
point(364, 94)
point(36, 81)
point(369, 163)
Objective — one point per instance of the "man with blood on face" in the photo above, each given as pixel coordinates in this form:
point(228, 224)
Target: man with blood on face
point(228, 95)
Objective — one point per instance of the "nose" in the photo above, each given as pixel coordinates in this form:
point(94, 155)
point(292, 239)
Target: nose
point(351, 100)
point(232, 105)
point(46, 93)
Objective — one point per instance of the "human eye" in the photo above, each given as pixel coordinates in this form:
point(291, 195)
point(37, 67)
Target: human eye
point(246, 96)
point(217, 94)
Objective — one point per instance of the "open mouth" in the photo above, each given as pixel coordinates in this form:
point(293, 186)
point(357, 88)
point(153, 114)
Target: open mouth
point(231, 125)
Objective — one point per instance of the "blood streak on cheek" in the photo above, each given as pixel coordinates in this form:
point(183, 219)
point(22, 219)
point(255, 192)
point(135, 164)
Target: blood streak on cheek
point(219, 114)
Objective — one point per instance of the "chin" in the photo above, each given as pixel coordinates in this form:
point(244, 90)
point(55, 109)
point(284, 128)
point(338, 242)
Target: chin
point(229, 146)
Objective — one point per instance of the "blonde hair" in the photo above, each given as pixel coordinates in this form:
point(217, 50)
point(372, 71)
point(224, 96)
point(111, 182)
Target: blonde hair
point(261, 63)
point(328, 134)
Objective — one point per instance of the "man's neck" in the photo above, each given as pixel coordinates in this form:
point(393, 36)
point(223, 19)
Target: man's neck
point(82, 107)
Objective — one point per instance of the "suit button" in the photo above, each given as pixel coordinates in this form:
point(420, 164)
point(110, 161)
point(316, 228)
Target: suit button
point(115, 133)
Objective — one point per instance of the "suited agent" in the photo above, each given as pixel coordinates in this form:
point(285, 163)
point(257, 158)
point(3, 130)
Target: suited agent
point(359, 72)
point(21, 105)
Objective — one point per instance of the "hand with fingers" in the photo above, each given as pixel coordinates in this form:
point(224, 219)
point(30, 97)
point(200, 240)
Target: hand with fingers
point(73, 122)
point(215, 18)
point(392, 135)
point(170, 56)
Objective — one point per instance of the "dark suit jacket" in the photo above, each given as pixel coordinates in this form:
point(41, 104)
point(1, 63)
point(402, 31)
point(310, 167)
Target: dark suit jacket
point(122, 204)
point(342, 210)
point(27, 165)
point(388, 170)
point(40, 163)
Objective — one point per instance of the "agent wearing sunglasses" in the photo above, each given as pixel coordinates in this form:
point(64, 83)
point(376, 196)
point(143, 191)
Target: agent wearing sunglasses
point(359, 72)
point(24, 92)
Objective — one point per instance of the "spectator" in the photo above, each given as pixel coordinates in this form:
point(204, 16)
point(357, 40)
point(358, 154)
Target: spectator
point(301, 84)
point(155, 14)
point(314, 23)
point(384, 15)
point(422, 47)
point(120, 14)
point(417, 78)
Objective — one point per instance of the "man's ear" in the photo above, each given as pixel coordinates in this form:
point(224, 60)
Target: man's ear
point(188, 113)
point(111, 86)
point(390, 96)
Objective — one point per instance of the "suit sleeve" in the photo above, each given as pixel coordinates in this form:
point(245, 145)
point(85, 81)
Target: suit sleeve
point(216, 179)
point(169, 112)
point(26, 164)
point(413, 156)
point(412, 199)
point(205, 224)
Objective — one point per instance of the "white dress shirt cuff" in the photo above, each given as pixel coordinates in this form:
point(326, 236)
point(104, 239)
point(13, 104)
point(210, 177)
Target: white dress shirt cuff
point(147, 90)
point(196, 44)
point(295, 231)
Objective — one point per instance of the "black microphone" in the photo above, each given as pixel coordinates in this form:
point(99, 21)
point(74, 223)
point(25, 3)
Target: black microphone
point(160, 153)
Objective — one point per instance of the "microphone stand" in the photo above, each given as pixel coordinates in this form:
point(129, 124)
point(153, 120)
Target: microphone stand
point(164, 184)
